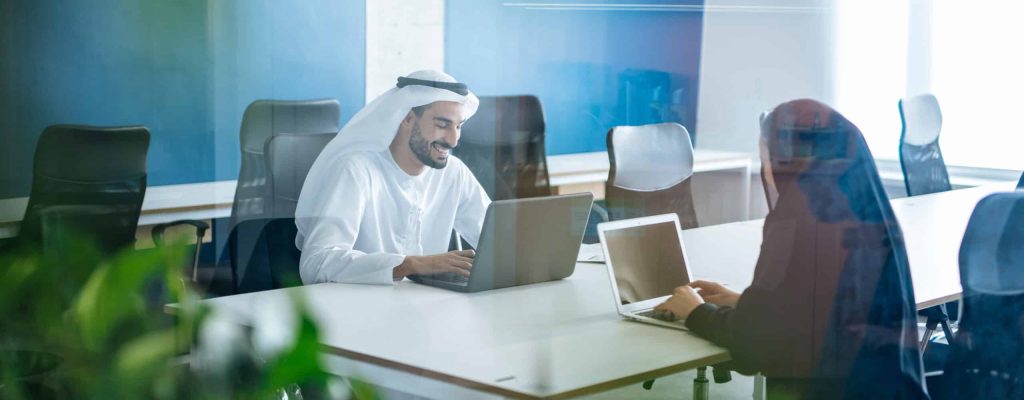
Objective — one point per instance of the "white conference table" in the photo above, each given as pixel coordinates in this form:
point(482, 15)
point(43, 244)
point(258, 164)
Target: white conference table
point(563, 339)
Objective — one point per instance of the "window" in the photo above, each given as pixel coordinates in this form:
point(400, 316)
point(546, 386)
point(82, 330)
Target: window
point(871, 65)
point(964, 53)
point(977, 67)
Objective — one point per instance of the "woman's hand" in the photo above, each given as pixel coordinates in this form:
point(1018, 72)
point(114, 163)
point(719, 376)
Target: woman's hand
point(716, 293)
point(683, 301)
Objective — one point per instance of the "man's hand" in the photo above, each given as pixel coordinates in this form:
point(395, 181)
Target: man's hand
point(459, 262)
point(683, 301)
point(716, 293)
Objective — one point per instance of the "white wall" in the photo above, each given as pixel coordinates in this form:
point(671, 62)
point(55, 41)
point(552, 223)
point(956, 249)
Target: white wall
point(402, 36)
point(755, 55)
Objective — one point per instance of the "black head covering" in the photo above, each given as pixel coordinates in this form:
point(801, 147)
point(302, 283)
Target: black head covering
point(831, 305)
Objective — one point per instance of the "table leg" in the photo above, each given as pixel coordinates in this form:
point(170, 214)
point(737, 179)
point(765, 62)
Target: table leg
point(758, 387)
point(700, 384)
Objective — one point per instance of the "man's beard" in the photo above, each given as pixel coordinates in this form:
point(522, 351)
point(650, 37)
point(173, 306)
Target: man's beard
point(421, 148)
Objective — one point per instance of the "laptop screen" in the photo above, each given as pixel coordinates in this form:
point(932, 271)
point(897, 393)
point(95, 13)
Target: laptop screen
point(648, 260)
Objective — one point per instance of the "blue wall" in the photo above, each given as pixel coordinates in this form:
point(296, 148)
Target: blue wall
point(592, 70)
point(185, 68)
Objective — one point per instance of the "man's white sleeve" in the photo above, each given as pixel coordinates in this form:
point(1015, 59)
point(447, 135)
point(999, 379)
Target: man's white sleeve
point(328, 231)
point(469, 219)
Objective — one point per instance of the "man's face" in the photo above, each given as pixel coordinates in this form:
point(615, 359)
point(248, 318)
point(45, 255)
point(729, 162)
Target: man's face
point(436, 132)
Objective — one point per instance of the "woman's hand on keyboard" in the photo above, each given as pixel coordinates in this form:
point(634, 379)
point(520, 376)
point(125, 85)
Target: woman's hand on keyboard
point(683, 301)
point(716, 293)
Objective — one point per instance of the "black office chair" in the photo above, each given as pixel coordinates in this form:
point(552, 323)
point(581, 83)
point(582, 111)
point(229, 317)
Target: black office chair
point(272, 260)
point(89, 180)
point(771, 192)
point(289, 157)
point(262, 120)
point(987, 357)
point(924, 170)
point(503, 144)
point(651, 171)
point(88, 183)
point(245, 243)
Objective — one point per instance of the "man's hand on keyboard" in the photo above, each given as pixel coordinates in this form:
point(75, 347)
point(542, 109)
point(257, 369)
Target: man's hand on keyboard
point(456, 262)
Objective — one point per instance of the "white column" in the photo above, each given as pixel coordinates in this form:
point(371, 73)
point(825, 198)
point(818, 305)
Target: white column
point(401, 36)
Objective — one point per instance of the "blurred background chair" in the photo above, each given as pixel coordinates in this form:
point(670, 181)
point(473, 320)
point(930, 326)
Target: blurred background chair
point(262, 120)
point(273, 259)
point(651, 167)
point(503, 144)
point(771, 193)
point(244, 247)
point(924, 170)
point(90, 180)
point(987, 356)
point(88, 184)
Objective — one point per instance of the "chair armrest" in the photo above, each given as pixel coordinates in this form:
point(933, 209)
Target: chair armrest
point(158, 229)
point(600, 211)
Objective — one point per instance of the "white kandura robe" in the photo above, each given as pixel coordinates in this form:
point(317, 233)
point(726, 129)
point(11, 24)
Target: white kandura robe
point(359, 225)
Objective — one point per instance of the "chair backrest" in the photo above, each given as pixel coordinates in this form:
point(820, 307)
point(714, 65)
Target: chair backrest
point(503, 145)
point(260, 247)
point(987, 357)
point(289, 158)
point(924, 170)
point(264, 254)
point(261, 120)
point(771, 193)
point(651, 167)
point(89, 179)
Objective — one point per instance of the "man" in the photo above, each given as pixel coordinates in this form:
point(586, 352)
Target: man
point(381, 200)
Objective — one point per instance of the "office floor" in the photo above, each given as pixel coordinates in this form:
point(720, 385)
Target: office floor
point(674, 387)
point(680, 386)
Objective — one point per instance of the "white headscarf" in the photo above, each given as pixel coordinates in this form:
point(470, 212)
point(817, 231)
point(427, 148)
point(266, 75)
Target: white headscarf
point(376, 125)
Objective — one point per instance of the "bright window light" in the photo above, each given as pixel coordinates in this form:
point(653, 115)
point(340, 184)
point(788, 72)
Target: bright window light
point(978, 76)
point(973, 63)
point(871, 67)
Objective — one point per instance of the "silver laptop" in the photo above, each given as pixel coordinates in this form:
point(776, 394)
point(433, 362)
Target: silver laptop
point(524, 241)
point(646, 262)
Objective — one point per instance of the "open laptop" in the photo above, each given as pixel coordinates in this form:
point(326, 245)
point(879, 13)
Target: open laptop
point(523, 241)
point(646, 262)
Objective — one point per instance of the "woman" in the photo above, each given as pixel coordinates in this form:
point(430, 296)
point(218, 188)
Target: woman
point(830, 311)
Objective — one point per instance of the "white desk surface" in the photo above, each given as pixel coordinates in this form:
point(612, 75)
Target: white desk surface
point(561, 339)
point(555, 339)
point(933, 227)
point(578, 168)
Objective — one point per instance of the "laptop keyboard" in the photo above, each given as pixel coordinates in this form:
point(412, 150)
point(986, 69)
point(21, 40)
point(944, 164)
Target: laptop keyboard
point(664, 316)
point(451, 277)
